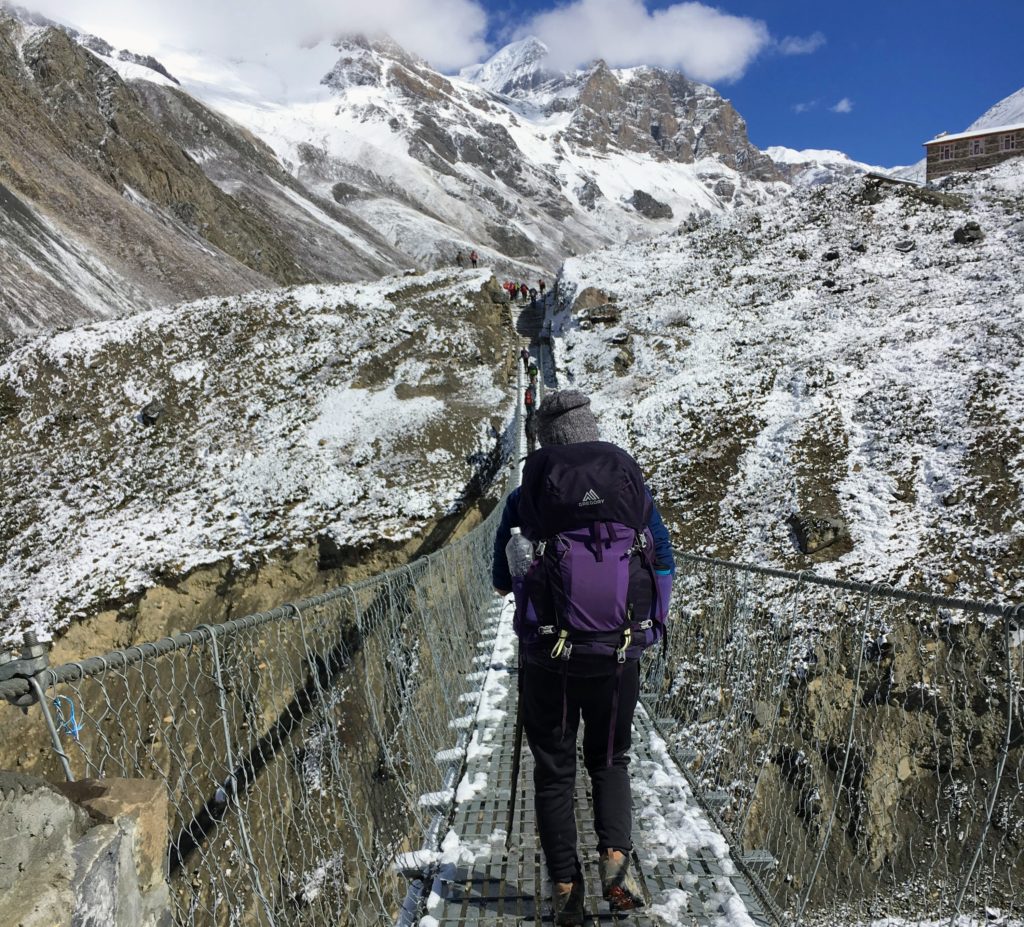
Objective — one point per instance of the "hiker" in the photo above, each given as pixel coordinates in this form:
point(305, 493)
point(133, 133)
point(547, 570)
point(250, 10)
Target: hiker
point(532, 371)
point(523, 290)
point(460, 260)
point(473, 258)
point(541, 285)
point(533, 298)
point(524, 356)
point(528, 401)
point(590, 525)
point(531, 433)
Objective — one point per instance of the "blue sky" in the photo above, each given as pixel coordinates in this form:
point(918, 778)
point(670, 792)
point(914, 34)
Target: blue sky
point(908, 68)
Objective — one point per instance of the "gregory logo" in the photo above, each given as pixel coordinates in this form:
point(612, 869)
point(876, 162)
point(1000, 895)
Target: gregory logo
point(591, 498)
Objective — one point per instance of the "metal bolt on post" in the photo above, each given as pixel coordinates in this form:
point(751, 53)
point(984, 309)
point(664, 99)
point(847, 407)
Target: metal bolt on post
point(35, 660)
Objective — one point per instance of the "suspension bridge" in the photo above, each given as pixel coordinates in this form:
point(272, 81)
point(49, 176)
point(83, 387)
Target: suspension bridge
point(807, 751)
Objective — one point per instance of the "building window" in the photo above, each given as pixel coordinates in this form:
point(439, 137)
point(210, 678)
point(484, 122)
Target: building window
point(1009, 142)
point(945, 152)
point(977, 147)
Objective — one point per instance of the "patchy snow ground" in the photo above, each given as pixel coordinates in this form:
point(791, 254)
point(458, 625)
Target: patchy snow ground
point(359, 411)
point(836, 353)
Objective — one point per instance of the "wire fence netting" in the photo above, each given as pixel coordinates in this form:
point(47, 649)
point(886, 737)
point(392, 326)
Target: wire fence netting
point(861, 750)
point(872, 745)
point(303, 749)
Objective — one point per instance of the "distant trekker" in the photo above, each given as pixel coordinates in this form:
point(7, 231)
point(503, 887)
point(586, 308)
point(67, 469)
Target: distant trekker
point(532, 371)
point(541, 285)
point(473, 258)
point(533, 298)
point(460, 260)
point(523, 290)
point(524, 355)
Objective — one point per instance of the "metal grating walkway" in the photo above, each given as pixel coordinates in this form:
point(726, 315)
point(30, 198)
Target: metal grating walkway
point(689, 883)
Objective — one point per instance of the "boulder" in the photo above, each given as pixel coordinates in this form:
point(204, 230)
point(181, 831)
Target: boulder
point(813, 532)
point(607, 313)
point(649, 207)
point(111, 801)
point(906, 245)
point(151, 412)
point(725, 189)
point(590, 297)
point(588, 193)
point(831, 255)
point(968, 234)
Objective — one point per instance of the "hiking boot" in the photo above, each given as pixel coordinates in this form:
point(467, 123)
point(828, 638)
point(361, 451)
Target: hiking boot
point(568, 906)
point(620, 887)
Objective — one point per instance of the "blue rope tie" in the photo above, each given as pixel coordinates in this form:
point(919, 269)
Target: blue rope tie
point(66, 725)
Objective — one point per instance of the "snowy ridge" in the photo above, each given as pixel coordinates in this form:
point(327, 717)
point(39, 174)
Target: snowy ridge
point(793, 359)
point(1008, 111)
point(814, 166)
point(279, 416)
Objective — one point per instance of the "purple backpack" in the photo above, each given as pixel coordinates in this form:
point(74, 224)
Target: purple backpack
point(592, 587)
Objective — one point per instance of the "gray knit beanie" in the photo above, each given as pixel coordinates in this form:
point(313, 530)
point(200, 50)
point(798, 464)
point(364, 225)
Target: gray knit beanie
point(564, 417)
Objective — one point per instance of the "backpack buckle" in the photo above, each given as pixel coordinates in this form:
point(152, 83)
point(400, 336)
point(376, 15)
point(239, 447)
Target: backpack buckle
point(562, 646)
point(546, 629)
point(620, 654)
point(646, 625)
point(541, 545)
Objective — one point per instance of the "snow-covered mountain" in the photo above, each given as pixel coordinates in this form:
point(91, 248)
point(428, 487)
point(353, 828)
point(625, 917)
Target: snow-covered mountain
point(1008, 111)
point(139, 182)
point(121, 192)
point(841, 357)
point(812, 167)
point(508, 157)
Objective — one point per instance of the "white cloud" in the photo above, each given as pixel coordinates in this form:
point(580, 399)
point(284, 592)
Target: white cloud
point(448, 33)
point(797, 45)
point(845, 105)
point(706, 44)
point(804, 107)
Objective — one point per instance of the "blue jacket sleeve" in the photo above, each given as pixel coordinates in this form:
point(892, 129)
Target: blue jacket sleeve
point(663, 559)
point(501, 578)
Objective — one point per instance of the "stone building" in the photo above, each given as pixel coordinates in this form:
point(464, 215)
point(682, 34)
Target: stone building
point(972, 150)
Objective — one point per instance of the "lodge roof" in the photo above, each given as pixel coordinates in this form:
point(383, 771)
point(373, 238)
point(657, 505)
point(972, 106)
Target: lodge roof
point(973, 133)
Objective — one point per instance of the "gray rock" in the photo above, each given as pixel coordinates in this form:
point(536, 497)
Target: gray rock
point(906, 246)
point(968, 234)
point(813, 532)
point(588, 193)
point(832, 255)
point(607, 314)
point(725, 189)
point(648, 206)
point(151, 412)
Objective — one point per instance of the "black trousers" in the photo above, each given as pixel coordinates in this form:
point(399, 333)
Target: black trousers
point(554, 778)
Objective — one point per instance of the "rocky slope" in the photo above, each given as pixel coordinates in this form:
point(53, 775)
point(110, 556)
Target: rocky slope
point(228, 430)
point(108, 206)
point(840, 373)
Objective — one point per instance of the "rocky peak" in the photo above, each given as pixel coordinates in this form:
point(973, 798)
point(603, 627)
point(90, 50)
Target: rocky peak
point(380, 61)
point(518, 67)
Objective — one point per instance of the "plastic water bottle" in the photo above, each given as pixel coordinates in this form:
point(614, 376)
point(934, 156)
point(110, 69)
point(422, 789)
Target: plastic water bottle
point(519, 552)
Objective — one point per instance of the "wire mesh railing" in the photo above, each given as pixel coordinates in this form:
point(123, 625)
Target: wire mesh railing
point(303, 749)
point(870, 740)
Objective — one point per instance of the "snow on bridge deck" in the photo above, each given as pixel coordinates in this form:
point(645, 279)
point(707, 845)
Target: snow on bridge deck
point(683, 860)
